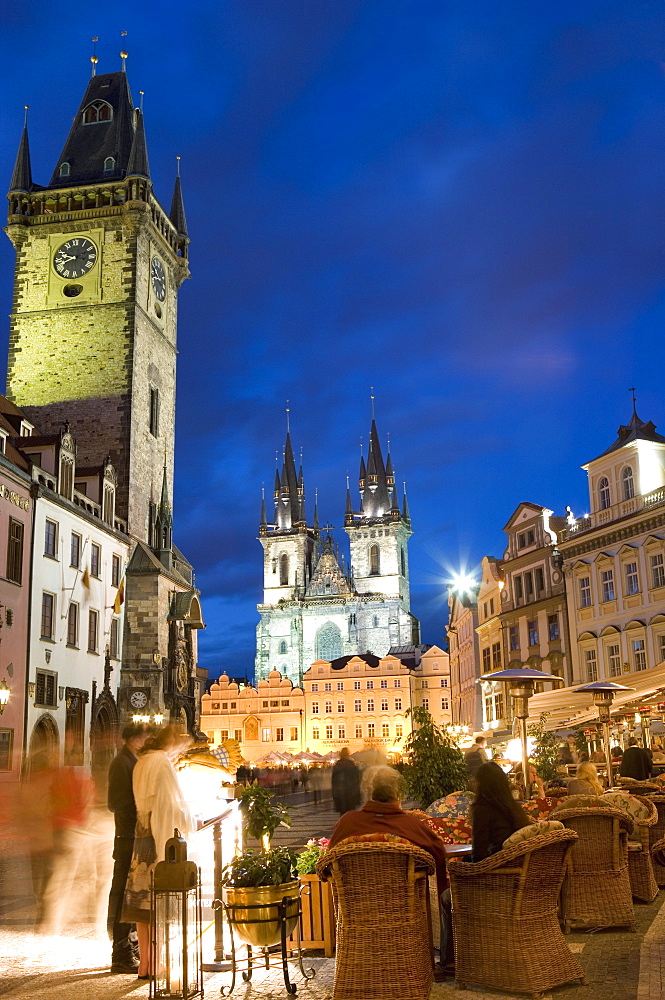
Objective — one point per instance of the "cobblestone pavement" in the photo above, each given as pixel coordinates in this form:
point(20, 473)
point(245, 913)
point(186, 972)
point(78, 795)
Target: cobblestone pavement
point(619, 965)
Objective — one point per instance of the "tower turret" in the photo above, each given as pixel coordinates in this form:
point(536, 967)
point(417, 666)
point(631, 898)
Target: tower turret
point(22, 173)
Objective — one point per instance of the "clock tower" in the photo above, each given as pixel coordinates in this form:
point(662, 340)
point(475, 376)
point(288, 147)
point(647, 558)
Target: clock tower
point(99, 263)
point(93, 328)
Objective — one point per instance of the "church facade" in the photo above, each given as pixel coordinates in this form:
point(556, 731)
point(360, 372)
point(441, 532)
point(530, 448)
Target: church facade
point(317, 605)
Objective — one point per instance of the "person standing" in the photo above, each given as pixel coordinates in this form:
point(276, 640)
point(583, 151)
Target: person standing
point(345, 783)
point(635, 762)
point(120, 800)
point(475, 756)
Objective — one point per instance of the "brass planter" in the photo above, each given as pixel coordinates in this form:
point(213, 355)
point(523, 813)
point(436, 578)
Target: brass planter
point(254, 914)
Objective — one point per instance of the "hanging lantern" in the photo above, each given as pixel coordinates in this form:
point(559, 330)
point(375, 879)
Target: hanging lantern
point(176, 925)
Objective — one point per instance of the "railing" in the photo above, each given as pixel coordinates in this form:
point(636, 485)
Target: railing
point(616, 511)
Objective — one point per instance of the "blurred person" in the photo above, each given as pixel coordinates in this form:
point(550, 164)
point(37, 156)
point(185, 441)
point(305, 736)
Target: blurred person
point(598, 757)
point(636, 762)
point(475, 756)
point(536, 787)
point(35, 821)
point(345, 783)
point(586, 781)
point(160, 809)
point(120, 801)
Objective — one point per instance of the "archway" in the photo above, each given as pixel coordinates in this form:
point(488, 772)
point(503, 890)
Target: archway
point(44, 743)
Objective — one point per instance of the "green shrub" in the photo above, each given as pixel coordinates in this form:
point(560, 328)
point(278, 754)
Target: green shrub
point(436, 765)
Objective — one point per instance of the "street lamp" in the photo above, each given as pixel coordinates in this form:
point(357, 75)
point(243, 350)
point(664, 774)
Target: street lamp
point(521, 682)
point(4, 695)
point(603, 695)
point(176, 925)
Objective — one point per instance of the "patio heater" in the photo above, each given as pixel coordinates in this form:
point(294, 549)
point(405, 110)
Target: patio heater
point(521, 682)
point(176, 925)
point(603, 695)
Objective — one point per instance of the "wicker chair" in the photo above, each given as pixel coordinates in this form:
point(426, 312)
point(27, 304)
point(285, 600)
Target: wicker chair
point(383, 938)
point(516, 891)
point(656, 833)
point(641, 868)
point(596, 891)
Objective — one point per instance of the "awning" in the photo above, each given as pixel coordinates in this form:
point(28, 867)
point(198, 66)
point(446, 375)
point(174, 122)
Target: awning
point(567, 707)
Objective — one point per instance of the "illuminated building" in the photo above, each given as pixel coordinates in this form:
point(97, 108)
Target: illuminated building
point(315, 604)
point(467, 709)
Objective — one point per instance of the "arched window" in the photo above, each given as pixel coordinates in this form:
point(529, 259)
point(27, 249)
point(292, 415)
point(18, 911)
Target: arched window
point(109, 164)
point(604, 493)
point(282, 647)
point(65, 170)
point(98, 111)
point(628, 483)
point(283, 569)
point(328, 642)
point(374, 560)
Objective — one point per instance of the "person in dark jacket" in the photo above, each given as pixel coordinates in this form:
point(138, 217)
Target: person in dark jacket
point(345, 783)
point(124, 956)
point(636, 762)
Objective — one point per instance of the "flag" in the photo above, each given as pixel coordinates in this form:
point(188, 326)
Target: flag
point(119, 597)
point(85, 579)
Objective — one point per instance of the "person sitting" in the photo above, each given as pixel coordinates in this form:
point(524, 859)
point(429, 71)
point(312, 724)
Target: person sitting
point(586, 781)
point(635, 762)
point(495, 815)
point(536, 786)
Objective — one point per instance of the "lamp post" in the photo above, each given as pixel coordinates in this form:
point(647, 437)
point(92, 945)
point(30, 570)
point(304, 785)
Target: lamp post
point(176, 925)
point(521, 682)
point(4, 695)
point(603, 695)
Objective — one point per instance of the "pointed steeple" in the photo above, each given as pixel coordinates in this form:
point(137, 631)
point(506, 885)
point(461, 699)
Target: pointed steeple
point(138, 157)
point(264, 520)
point(316, 510)
point(376, 498)
point(289, 511)
point(348, 510)
point(405, 506)
point(22, 175)
point(163, 541)
point(177, 213)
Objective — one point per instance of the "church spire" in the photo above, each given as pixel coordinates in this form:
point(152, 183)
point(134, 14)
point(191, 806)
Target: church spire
point(163, 541)
point(177, 213)
point(138, 157)
point(289, 510)
point(263, 526)
point(405, 507)
point(22, 175)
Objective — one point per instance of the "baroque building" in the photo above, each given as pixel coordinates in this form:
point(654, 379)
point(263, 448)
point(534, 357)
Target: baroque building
point(316, 606)
point(92, 350)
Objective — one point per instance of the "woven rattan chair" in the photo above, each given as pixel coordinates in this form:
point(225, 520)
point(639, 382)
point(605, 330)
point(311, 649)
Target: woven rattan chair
point(516, 893)
point(641, 869)
point(596, 890)
point(384, 947)
point(656, 833)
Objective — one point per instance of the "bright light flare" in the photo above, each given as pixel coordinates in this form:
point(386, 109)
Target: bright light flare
point(514, 749)
point(463, 583)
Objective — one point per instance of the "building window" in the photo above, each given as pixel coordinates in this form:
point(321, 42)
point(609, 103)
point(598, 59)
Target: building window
point(614, 660)
point(233, 705)
point(357, 705)
point(607, 581)
point(95, 559)
point(51, 539)
point(399, 730)
point(357, 685)
point(327, 686)
point(279, 735)
point(64, 170)
point(15, 551)
point(528, 586)
point(426, 704)
point(487, 660)
point(397, 682)
point(444, 704)
point(293, 734)
point(384, 704)
point(384, 682)
point(274, 703)
point(223, 734)
point(328, 707)
point(661, 648)
point(540, 579)
point(604, 499)
point(6, 748)
point(639, 654)
point(385, 730)
point(514, 637)
point(340, 685)
point(98, 111)
point(496, 656)
point(282, 648)
point(75, 550)
point(628, 483)
point(374, 560)
point(519, 590)
point(109, 164)
point(370, 685)
point(370, 704)
point(340, 707)
point(370, 730)
point(265, 734)
point(328, 642)
point(315, 708)
point(341, 732)
point(264, 704)
point(489, 708)
point(657, 571)
point(48, 609)
point(45, 689)
point(73, 625)
point(585, 591)
point(154, 411)
point(398, 704)
point(498, 703)
point(114, 645)
point(359, 732)
point(316, 733)
point(632, 579)
point(525, 539)
point(315, 687)
point(591, 664)
point(115, 571)
point(553, 627)
point(329, 732)
point(424, 684)
point(93, 621)
point(237, 735)
point(444, 682)
point(375, 621)
point(532, 629)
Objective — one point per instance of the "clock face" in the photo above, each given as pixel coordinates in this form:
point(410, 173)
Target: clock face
point(181, 676)
point(138, 699)
point(75, 258)
point(158, 278)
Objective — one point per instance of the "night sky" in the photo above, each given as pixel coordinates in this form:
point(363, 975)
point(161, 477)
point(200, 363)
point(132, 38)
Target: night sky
point(460, 204)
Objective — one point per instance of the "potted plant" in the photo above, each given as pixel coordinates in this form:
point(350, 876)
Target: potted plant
point(255, 883)
point(436, 764)
point(317, 922)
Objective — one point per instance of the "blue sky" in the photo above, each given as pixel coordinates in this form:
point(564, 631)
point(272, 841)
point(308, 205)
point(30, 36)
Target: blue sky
point(459, 204)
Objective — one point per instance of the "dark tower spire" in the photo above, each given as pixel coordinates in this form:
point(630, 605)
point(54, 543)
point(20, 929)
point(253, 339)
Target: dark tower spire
point(288, 512)
point(376, 498)
point(316, 510)
point(348, 511)
point(138, 157)
point(264, 520)
point(177, 214)
point(22, 175)
point(163, 543)
point(405, 507)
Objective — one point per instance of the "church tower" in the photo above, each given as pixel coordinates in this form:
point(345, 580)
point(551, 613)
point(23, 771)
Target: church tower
point(98, 266)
